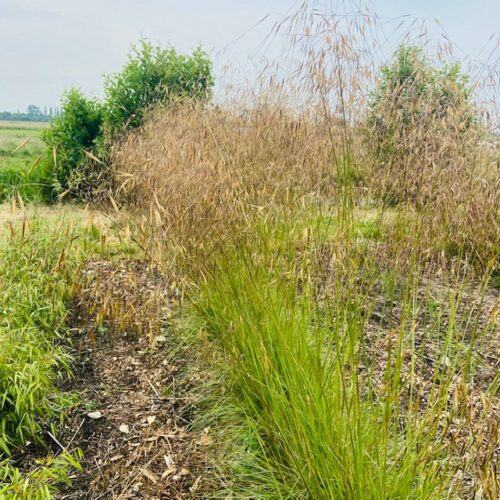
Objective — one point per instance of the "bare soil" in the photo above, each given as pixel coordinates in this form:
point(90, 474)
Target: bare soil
point(134, 426)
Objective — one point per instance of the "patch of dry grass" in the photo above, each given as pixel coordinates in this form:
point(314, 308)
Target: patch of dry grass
point(199, 173)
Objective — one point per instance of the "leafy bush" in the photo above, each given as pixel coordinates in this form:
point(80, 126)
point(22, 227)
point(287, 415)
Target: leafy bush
point(71, 135)
point(153, 75)
point(429, 150)
point(419, 122)
point(80, 139)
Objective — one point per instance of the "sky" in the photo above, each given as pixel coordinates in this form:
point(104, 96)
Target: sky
point(47, 46)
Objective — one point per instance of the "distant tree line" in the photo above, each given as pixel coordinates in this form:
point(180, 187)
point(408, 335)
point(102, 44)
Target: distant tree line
point(32, 114)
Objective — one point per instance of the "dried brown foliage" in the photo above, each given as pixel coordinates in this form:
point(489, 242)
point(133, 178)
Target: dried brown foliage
point(199, 172)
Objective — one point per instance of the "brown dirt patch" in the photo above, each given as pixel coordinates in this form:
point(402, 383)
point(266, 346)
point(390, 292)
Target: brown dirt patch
point(131, 375)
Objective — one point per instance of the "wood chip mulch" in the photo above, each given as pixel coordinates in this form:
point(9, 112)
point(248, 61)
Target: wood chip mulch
point(134, 425)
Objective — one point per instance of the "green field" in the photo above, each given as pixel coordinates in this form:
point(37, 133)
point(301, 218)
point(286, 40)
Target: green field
point(21, 151)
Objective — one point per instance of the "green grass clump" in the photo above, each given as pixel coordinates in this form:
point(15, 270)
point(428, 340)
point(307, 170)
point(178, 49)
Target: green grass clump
point(22, 173)
point(331, 409)
point(25, 180)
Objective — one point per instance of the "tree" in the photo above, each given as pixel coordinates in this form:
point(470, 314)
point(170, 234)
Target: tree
point(81, 137)
point(33, 110)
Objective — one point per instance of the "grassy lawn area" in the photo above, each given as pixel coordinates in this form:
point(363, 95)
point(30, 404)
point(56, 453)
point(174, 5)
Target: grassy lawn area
point(21, 151)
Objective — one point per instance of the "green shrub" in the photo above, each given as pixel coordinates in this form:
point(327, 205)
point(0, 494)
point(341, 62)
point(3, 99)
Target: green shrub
point(419, 121)
point(153, 75)
point(71, 135)
point(80, 139)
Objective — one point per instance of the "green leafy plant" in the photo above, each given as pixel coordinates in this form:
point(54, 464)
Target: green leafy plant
point(153, 75)
point(40, 483)
point(79, 140)
point(71, 136)
point(33, 297)
point(419, 122)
